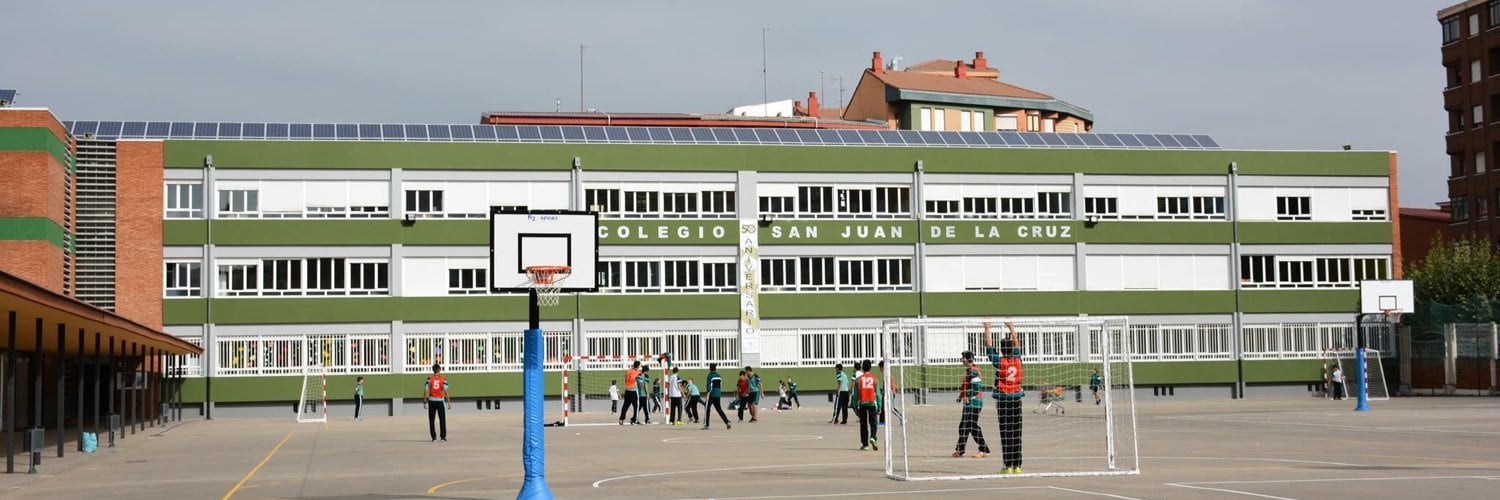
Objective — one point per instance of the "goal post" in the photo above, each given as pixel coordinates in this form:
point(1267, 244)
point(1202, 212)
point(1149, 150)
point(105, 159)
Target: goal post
point(1077, 411)
point(312, 405)
point(1373, 377)
point(586, 380)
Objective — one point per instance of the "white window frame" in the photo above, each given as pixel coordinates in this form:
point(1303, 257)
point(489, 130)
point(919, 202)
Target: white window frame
point(468, 281)
point(360, 284)
point(183, 278)
point(183, 200)
point(1006, 123)
point(422, 202)
point(238, 204)
point(1294, 207)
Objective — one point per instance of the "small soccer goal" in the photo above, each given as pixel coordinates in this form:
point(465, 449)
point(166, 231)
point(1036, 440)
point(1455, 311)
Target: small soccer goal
point(1374, 373)
point(312, 406)
point(586, 381)
point(1076, 417)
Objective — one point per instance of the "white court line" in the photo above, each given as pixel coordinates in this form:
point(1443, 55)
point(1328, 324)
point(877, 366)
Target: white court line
point(1221, 490)
point(898, 492)
point(740, 438)
point(1289, 460)
point(1330, 426)
point(1336, 480)
point(724, 469)
point(1095, 493)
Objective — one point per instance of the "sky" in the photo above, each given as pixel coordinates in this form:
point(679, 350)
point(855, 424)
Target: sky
point(1259, 74)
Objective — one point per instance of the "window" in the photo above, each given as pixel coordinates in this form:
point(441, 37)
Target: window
point(1455, 165)
point(1333, 270)
point(1257, 270)
point(857, 274)
point(1101, 206)
point(980, 207)
point(1494, 11)
point(1450, 30)
point(467, 281)
point(1479, 162)
point(281, 277)
point(855, 201)
point(939, 120)
point(1296, 273)
point(1367, 214)
point(815, 200)
point(1455, 76)
point(238, 203)
point(1293, 208)
point(1005, 122)
point(1459, 206)
point(642, 276)
point(976, 121)
point(777, 205)
point(1172, 207)
point(610, 275)
point(926, 119)
point(184, 279)
point(369, 278)
point(1054, 205)
point(1017, 208)
point(840, 274)
point(778, 273)
point(679, 204)
point(642, 203)
point(893, 273)
point(680, 275)
point(965, 121)
point(236, 280)
point(1049, 125)
point(325, 276)
point(1208, 206)
point(1455, 121)
point(1475, 73)
point(1479, 115)
point(184, 200)
point(942, 208)
point(1033, 121)
point(1473, 24)
point(719, 277)
point(718, 203)
point(424, 201)
point(815, 272)
point(893, 201)
point(1366, 269)
point(604, 201)
point(1481, 208)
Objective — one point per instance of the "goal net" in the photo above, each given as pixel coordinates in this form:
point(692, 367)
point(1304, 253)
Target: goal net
point(587, 379)
point(312, 406)
point(1374, 373)
point(1064, 429)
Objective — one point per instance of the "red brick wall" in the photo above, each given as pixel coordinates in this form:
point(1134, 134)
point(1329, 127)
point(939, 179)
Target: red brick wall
point(34, 184)
point(1393, 208)
point(33, 118)
point(138, 222)
point(37, 261)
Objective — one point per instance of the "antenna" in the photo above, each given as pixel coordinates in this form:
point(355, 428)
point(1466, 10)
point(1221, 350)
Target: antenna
point(765, 95)
point(840, 79)
point(580, 78)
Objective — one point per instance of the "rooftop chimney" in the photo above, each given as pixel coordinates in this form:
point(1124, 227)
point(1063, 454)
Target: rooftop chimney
point(876, 64)
point(960, 69)
point(979, 61)
point(812, 104)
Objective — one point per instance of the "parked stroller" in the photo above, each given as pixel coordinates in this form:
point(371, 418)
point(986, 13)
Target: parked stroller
point(1051, 399)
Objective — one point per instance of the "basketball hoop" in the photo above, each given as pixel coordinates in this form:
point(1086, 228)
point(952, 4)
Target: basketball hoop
point(1392, 316)
point(547, 281)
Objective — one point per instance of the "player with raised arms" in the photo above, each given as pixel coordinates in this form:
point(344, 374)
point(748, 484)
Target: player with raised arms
point(1008, 394)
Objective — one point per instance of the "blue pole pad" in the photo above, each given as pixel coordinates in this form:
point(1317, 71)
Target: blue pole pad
point(533, 447)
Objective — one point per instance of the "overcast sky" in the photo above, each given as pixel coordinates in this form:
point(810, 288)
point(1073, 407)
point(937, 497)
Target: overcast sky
point(1257, 74)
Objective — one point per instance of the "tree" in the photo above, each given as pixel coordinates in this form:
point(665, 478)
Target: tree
point(1459, 281)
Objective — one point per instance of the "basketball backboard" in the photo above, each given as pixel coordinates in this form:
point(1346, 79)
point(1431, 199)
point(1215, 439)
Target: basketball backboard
point(1384, 295)
point(521, 239)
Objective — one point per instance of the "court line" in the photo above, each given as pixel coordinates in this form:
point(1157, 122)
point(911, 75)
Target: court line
point(1221, 490)
point(262, 463)
point(896, 492)
point(740, 438)
point(1095, 493)
point(1291, 460)
point(1330, 426)
point(1336, 479)
point(724, 469)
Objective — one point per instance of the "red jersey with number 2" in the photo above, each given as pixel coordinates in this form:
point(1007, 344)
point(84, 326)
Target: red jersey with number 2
point(1008, 377)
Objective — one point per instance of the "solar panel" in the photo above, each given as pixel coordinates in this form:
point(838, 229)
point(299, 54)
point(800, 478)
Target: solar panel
point(930, 137)
point(80, 129)
point(1051, 139)
point(528, 133)
point(767, 136)
point(369, 131)
point(616, 134)
point(323, 130)
point(637, 134)
point(1014, 139)
point(484, 132)
point(1129, 140)
point(229, 130)
point(1168, 141)
point(682, 135)
point(206, 130)
point(109, 129)
point(594, 134)
point(572, 134)
point(788, 136)
point(1071, 139)
point(1148, 141)
point(253, 131)
point(725, 135)
point(299, 131)
point(1206, 141)
point(8, 95)
point(1032, 139)
point(1186, 141)
point(659, 134)
point(346, 131)
point(745, 135)
point(507, 133)
point(393, 131)
point(704, 136)
point(437, 131)
point(551, 133)
point(1110, 140)
point(1091, 140)
point(829, 136)
point(992, 139)
point(158, 129)
point(809, 136)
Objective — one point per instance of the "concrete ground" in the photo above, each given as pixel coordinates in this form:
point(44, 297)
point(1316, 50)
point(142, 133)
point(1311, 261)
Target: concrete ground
point(1278, 448)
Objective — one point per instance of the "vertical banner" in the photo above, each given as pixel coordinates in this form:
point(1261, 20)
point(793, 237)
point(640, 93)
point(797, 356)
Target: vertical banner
point(749, 269)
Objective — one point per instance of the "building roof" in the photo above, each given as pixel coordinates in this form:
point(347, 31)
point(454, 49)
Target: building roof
point(31, 302)
point(1426, 213)
point(912, 80)
point(946, 66)
point(670, 120)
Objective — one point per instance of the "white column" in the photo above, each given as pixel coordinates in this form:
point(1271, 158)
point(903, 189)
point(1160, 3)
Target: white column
point(749, 269)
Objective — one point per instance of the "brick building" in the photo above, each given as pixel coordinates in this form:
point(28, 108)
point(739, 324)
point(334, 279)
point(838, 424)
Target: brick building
point(1471, 60)
point(958, 95)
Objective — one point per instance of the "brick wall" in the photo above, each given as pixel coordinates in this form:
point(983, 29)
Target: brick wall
point(11, 117)
point(37, 261)
point(34, 184)
point(138, 227)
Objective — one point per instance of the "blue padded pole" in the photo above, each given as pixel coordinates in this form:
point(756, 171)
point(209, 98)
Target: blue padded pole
point(533, 447)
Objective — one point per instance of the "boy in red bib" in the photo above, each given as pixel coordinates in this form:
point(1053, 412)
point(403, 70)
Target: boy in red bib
point(435, 392)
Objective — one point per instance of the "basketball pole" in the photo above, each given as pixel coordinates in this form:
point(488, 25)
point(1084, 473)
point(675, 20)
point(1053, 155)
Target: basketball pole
point(1359, 364)
point(533, 448)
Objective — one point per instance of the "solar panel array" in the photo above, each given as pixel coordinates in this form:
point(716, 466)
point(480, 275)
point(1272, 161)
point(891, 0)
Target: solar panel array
point(8, 95)
point(570, 134)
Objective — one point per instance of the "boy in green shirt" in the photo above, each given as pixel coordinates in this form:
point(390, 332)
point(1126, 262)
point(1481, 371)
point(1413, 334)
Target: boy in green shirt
point(715, 390)
point(968, 394)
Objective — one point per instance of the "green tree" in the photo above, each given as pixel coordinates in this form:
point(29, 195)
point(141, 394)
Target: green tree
point(1459, 281)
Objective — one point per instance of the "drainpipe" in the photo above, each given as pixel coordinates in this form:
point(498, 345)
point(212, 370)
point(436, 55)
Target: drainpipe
point(1234, 280)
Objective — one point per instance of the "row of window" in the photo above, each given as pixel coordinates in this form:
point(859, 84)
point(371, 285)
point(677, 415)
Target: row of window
point(1270, 271)
point(1450, 25)
point(789, 201)
point(322, 276)
point(1462, 209)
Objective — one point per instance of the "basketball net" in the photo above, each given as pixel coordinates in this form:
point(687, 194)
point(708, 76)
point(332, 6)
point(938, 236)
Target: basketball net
point(547, 281)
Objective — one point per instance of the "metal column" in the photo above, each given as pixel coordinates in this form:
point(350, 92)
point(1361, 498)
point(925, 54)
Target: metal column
point(10, 394)
point(98, 378)
point(62, 385)
point(78, 396)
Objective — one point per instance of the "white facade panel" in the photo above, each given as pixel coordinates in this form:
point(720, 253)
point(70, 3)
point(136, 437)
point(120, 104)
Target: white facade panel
point(1054, 272)
point(1176, 272)
point(1211, 272)
point(1018, 272)
point(1257, 203)
point(776, 189)
point(549, 195)
point(368, 193)
point(982, 272)
point(944, 274)
point(1140, 272)
point(1137, 200)
point(281, 196)
point(1331, 204)
point(425, 277)
point(1369, 199)
point(466, 198)
point(327, 193)
point(942, 191)
point(1103, 272)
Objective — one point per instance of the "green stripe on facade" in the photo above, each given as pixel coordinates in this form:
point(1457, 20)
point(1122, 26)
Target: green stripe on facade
point(33, 228)
point(784, 232)
point(827, 159)
point(34, 139)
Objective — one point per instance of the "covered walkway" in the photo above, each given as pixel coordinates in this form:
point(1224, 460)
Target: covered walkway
point(69, 367)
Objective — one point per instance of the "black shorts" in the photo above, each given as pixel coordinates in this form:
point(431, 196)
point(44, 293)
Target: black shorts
point(1094, 388)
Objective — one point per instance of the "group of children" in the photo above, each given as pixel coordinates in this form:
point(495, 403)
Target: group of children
point(637, 397)
point(1007, 393)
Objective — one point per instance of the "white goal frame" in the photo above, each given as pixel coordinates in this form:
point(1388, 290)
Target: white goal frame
point(1374, 376)
point(322, 387)
point(1108, 353)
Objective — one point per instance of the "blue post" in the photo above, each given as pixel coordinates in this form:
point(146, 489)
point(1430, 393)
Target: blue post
point(533, 447)
point(1359, 362)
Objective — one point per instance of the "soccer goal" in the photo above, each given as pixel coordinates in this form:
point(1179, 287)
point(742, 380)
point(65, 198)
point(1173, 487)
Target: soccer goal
point(312, 406)
point(1374, 373)
point(1065, 430)
point(586, 381)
